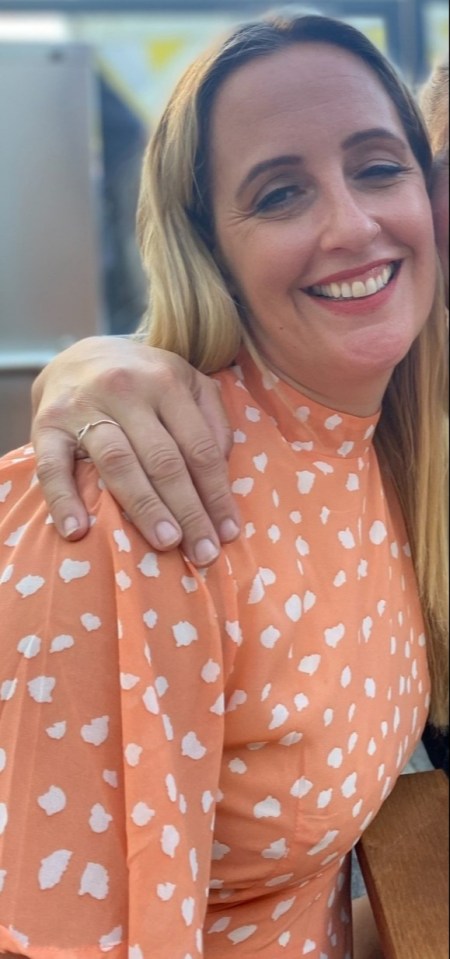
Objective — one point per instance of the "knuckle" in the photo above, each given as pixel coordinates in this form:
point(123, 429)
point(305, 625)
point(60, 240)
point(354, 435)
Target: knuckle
point(116, 381)
point(205, 455)
point(193, 521)
point(144, 507)
point(113, 458)
point(120, 380)
point(165, 465)
point(48, 471)
point(166, 376)
point(219, 501)
point(57, 414)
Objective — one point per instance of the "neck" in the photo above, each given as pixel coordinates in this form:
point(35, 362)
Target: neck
point(355, 399)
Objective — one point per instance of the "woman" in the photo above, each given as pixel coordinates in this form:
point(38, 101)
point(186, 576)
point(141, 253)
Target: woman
point(95, 379)
point(266, 706)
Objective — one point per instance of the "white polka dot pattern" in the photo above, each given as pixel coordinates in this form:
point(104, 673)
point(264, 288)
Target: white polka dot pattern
point(187, 757)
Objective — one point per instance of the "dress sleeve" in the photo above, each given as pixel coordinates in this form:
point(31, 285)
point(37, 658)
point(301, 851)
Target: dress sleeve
point(112, 675)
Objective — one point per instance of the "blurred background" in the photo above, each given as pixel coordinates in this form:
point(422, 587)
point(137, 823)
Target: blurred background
point(82, 82)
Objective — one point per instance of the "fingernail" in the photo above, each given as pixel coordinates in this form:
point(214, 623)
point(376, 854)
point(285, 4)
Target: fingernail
point(167, 534)
point(205, 551)
point(70, 525)
point(228, 530)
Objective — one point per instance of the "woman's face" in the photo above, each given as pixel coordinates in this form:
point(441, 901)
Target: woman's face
point(322, 220)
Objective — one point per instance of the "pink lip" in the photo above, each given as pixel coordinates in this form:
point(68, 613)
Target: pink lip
point(361, 272)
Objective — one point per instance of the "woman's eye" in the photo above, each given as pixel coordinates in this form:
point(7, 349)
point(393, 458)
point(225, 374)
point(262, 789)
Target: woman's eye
point(278, 199)
point(382, 172)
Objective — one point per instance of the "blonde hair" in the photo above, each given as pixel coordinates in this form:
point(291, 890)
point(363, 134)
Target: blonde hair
point(193, 313)
point(434, 101)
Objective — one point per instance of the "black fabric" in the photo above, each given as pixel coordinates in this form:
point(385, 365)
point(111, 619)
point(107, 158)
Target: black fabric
point(436, 744)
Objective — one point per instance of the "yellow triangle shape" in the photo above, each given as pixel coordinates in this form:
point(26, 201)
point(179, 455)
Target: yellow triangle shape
point(161, 52)
point(377, 34)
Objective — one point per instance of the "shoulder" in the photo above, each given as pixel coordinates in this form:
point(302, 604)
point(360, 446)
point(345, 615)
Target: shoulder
point(29, 543)
point(113, 548)
point(21, 495)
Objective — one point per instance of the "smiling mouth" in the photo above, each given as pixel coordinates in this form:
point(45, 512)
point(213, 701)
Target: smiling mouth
point(356, 289)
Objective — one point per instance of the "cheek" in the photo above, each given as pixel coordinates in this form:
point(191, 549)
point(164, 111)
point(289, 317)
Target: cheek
point(423, 239)
point(260, 265)
point(415, 225)
point(427, 276)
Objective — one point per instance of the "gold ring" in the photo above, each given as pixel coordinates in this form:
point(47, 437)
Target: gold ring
point(81, 433)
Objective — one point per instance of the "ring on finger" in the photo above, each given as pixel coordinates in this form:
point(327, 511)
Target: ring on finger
point(81, 433)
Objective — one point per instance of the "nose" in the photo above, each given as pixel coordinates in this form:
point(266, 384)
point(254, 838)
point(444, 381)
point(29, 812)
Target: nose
point(347, 223)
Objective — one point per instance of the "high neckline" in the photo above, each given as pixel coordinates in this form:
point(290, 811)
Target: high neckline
point(303, 421)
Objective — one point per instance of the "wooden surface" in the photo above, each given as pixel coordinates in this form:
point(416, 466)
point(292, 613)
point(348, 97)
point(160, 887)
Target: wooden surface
point(403, 856)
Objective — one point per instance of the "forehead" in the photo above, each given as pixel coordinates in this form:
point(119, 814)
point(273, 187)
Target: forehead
point(308, 87)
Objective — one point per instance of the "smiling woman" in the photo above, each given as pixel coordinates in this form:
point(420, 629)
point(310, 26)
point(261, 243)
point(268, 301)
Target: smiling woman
point(350, 209)
point(202, 749)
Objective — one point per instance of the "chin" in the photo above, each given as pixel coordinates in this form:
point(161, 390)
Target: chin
point(381, 356)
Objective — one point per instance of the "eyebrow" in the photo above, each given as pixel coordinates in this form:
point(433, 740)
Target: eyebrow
point(373, 133)
point(265, 165)
point(293, 160)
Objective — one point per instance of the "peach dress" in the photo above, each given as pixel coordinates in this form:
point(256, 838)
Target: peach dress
point(187, 757)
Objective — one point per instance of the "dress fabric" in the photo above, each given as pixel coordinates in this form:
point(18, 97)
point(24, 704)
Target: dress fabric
point(188, 756)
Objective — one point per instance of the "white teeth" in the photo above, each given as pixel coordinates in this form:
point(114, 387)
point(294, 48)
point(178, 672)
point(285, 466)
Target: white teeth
point(371, 285)
point(357, 289)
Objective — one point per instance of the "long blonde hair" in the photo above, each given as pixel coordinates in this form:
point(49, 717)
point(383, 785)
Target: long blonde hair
point(193, 313)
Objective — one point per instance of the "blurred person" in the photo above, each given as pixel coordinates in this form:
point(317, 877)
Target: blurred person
point(238, 728)
point(435, 106)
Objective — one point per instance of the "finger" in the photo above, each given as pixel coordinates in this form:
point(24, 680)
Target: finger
point(209, 471)
point(55, 453)
point(208, 398)
point(135, 486)
point(206, 466)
